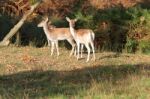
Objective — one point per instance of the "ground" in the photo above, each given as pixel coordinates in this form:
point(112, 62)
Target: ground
point(28, 72)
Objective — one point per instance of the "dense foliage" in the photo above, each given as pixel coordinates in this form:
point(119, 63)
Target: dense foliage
point(119, 26)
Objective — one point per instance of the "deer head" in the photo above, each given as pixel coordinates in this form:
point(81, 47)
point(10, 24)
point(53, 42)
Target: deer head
point(43, 22)
point(71, 21)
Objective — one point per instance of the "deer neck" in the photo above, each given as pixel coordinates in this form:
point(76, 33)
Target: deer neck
point(72, 31)
point(46, 30)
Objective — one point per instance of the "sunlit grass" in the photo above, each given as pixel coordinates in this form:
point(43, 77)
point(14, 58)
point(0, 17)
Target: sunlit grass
point(28, 72)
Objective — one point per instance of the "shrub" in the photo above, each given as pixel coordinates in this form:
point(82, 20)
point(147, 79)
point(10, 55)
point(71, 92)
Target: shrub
point(138, 28)
point(131, 45)
point(144, 47)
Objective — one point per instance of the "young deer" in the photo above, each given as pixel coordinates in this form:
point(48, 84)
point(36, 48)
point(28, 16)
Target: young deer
point(83, 37)
point(55, 34)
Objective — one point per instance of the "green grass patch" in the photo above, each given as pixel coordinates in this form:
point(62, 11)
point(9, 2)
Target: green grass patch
point(28, 72)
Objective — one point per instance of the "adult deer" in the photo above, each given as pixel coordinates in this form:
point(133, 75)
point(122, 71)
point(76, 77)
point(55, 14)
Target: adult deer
point(54, 34)
point(82, 37)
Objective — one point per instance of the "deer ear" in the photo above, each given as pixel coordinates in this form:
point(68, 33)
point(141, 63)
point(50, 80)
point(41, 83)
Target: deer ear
point(75, 20)
point(49, 22)
point(67, 18)
point(46, 19)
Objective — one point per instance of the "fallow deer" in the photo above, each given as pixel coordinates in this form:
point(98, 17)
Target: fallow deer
point(83, 37)
point(56, 34)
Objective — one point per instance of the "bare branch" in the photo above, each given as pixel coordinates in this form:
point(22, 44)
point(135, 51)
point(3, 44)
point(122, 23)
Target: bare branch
point(14, 30)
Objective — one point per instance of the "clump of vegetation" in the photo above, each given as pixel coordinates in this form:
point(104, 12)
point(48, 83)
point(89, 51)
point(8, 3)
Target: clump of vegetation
point(138, 29)
point(118, 27)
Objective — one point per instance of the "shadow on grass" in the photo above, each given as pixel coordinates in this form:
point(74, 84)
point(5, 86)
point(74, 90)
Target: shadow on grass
point(116, 55)
point(69, 83)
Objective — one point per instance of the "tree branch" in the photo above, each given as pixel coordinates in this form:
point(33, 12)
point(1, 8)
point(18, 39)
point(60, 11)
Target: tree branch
point(14, 30)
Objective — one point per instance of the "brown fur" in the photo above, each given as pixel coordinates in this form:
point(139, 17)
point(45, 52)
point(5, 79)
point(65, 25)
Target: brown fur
point(59, 31)
point(82, 32)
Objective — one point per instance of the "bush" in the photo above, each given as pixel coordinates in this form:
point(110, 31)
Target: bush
point(144, 47)
point(32, 36)
point(138, 29)
point(6, 25)
point(131, 45)
point(117, 28)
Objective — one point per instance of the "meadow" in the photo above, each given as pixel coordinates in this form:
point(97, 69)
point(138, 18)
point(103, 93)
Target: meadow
point(31, 73)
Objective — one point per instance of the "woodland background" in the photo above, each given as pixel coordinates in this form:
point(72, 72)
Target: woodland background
point(119, 25)
point(28, 71)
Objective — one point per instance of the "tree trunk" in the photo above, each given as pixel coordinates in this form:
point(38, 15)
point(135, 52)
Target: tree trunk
point(18, 39)
point(13, 31)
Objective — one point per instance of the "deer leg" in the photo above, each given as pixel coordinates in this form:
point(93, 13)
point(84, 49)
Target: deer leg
point(52, 48)
point(57, 48)
point(88, 49)
point(78, 49)
point(49, 42)
point(92, 45)
point(82, 50)
point(73, 50)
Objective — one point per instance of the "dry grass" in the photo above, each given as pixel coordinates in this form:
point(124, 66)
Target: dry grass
point(32, 73)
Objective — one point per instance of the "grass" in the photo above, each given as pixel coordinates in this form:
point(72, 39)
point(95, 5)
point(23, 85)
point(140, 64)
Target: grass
point(28, 72)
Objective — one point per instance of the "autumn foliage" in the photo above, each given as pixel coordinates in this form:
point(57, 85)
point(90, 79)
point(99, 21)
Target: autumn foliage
point(118, 24)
